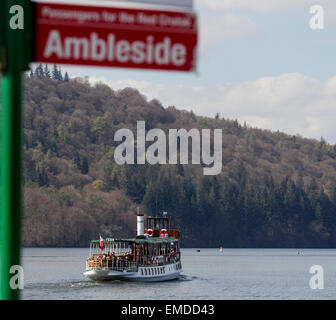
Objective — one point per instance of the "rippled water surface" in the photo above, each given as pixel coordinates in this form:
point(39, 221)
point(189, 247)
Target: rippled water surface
point(51, 273)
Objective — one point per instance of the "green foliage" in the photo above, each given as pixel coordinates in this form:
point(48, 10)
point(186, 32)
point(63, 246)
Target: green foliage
point(99, 185)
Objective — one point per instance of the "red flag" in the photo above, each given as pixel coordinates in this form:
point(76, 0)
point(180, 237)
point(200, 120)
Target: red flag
point(101, 243)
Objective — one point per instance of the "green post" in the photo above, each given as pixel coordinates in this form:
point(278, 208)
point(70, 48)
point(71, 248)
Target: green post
point(13, 62)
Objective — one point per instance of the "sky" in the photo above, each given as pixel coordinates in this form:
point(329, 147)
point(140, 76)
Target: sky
point(258, 61)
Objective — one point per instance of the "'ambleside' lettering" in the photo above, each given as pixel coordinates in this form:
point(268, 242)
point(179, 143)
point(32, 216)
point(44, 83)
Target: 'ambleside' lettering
point(110, 49)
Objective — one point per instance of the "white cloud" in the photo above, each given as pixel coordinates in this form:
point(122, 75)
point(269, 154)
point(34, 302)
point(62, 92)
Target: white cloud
point(216, 27)
point(292, 103)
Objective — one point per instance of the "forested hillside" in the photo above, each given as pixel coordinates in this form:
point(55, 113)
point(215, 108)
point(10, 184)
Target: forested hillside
point(274, 190)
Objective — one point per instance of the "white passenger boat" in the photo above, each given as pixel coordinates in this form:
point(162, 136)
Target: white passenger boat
point(153, 255)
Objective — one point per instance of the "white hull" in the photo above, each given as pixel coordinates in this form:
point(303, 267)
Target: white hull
point(144, 273)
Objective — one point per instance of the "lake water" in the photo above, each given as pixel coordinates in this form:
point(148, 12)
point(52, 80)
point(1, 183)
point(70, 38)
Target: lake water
point(57, 273)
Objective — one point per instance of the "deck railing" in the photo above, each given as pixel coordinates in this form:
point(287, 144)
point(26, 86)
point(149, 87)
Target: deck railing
point(131, 266)
point(159, 260)
point(111, 265)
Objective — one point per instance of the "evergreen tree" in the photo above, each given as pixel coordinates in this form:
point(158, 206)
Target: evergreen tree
point(46, 72)
point(54, 73)
point(85, 166)
point(77, 161)
point(60, 76)
point(42, 177)
point(39, 72)
point(66, 77)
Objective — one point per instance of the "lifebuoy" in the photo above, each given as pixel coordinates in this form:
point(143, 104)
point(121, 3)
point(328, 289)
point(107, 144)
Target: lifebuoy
point(163, 233)
point(150, 232)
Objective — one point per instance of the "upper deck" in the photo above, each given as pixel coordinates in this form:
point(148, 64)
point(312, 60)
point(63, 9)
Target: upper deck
point(138, 240)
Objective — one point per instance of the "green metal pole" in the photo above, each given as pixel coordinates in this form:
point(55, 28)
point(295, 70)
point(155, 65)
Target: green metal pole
point(11, 143)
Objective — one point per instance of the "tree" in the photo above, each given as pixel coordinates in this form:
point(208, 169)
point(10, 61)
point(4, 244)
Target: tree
point(47, 71)
point(39, 72)
point(55, 72)
point(77, 161)
point(99, 185)
point(60, 76)
point(66, 77)
point(85, 166)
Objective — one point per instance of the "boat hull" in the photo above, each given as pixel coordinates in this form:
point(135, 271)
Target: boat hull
point(146, 274)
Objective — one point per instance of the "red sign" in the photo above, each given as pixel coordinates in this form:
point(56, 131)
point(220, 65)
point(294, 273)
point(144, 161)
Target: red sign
point(115, 37)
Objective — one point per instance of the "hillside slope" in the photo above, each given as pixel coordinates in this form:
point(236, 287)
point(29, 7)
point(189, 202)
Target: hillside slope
point(274, 190)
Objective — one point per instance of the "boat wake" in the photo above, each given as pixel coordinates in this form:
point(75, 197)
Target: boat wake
point(63, 285)
point(186, 278)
